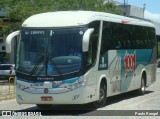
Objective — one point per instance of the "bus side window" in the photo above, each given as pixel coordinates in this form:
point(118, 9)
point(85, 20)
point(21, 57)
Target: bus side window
point(118, 45)
point(92, 51)
point(151, 37)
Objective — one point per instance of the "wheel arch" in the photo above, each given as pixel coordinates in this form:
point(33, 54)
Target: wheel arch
point(103, 79)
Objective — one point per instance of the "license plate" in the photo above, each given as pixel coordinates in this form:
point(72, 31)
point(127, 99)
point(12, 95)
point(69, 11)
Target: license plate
point(36, 85)
point(46, 98)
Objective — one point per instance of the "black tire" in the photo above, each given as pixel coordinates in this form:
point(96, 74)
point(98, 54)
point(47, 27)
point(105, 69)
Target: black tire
point(102, 97)
point(44, 106)
point(142, 90)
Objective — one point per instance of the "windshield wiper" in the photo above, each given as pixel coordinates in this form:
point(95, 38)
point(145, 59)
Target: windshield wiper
point(48, 58)
point(39, 61)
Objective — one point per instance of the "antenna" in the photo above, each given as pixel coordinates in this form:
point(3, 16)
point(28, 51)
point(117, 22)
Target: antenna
point(144, 7)
point(124, 4)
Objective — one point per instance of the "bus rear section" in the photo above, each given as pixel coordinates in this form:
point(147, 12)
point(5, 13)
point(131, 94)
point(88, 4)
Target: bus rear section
point(127, 59)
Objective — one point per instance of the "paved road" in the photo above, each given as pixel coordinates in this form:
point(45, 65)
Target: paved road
point(128, 101)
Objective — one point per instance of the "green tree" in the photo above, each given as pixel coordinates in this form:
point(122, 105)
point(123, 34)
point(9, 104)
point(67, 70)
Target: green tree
point(18, 10)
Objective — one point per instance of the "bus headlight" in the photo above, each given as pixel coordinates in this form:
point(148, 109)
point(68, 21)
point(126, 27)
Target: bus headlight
point(74, 85)
point(21, 87)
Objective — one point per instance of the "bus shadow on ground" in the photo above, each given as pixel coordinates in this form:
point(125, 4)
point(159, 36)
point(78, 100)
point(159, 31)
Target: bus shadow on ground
point(86, 109)
point(124, 96)
point(61, 110)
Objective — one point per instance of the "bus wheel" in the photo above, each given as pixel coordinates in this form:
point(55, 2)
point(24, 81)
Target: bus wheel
point(44, 106)
point(102, 97)
point(142, 90)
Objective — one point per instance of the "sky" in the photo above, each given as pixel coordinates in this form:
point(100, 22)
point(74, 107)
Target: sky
point(152, 9)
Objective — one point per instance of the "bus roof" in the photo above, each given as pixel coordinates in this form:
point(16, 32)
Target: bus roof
point(77, 18)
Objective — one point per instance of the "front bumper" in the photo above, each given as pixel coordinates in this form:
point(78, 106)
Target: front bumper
point(75, 96)
point(66, 93)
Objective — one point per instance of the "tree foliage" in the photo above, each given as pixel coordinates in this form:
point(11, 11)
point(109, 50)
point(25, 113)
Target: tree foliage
point(18, 10)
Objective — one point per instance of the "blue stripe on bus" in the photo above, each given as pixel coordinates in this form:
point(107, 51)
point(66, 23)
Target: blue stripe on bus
point(71, 80)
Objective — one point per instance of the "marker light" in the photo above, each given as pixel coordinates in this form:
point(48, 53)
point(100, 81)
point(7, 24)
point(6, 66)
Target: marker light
point(124, 21)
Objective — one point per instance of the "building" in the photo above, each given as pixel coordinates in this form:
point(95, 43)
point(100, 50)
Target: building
point(131, 11)
point(157, 25)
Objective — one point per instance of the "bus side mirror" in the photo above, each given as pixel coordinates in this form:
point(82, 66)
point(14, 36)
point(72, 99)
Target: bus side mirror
point(9, 39)
point(86, 38)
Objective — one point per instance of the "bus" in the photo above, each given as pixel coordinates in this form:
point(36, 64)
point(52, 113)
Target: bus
point(117, 55)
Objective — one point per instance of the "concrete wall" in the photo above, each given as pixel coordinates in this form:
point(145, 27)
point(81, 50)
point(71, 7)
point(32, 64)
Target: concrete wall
point(131, 11)
point(157, 25)
point(136, 11)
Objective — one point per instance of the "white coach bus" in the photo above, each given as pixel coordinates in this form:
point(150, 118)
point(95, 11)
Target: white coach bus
point(111, 54)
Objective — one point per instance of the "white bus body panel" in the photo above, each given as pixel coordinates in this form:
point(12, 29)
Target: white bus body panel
point(26, 94)
point(76, 18)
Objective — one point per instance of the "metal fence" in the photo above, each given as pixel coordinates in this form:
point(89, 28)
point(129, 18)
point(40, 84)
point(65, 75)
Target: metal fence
point(7, 89)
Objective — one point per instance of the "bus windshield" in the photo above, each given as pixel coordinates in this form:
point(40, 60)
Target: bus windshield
point(50, 52)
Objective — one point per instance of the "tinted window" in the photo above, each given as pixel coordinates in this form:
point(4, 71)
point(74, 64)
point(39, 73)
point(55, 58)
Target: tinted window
point(151, 37)
point(116, 36)
point(125, 36)
point(5, 67)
